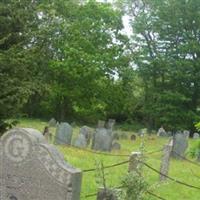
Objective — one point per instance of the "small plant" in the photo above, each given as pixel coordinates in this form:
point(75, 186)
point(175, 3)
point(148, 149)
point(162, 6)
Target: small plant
point(195, 150)
point(4, 126)
point(133, 187)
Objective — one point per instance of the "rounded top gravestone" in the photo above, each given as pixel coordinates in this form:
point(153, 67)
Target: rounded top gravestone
point(63, 134)
point(180, 144)
point(30, 168)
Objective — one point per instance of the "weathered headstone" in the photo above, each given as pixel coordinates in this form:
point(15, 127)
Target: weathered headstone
point(102, 140)
point(142, 132)
point(81, 141)
point(52, 122)
point(186, 133)
point(133, 137)
point(196, 136)
point(101, 124)
point(180, 144)
point(116, 146)
point(32, 169)
point(111, 123)
point(63, 134)
point(161, 132)
point(164, 168)
point(87, 132)
point(134, 163)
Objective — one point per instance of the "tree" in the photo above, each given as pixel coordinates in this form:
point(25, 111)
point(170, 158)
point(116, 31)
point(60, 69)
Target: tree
point(166, 43)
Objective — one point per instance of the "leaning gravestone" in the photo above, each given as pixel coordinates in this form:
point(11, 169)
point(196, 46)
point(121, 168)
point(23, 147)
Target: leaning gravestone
point(52, 122)
point(196, 136)
point(31, 169)
point(180, 144)
point(102, 140)
point(63, 134)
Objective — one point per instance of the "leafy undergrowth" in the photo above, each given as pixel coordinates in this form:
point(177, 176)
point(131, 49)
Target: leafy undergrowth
point(179, 169)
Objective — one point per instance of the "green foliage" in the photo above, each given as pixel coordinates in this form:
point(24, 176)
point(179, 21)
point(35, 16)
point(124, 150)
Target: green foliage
point(165, 44)
point(195, 150)
point(6, 125)
point(134, 187)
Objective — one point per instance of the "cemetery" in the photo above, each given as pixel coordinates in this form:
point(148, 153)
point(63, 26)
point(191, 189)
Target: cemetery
point(30, 162)
point(100, 100)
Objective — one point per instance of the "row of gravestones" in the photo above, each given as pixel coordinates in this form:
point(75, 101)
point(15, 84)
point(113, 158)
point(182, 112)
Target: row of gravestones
point(30, 168)
point(162, 133)
point(102, 138)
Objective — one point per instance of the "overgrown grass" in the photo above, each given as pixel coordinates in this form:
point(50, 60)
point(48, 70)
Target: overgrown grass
point(179, 169)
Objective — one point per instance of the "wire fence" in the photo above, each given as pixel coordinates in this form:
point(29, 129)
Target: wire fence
point(170, 178)
point(127, 162)
point(186, 159)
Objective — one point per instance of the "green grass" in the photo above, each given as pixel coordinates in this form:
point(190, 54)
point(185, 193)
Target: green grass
point(179, 169)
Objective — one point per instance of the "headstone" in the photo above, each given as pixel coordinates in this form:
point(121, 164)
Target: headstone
point(106, 194)
point(116, 146)
point(180, 144)
point(165, 161)
point(102, 140)
point(101, 124)
point(73, 124)
point(87, 132)
point(133, 137)
point(32, 169)
point(161, 132)
point(134, 163)
point(111, 123)
point(186, 133)
point(196, 136)
point(63, 134)
point(81, 141)
point(142, 132)
point(52, 122)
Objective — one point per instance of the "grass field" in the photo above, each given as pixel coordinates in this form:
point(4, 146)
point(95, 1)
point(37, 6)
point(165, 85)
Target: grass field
point(179, 169)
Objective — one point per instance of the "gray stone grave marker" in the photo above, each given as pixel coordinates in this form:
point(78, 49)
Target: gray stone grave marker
point(180, 144)
point(63, 134)
point(87, 132)
point(196, 136)
point(52, 122)
point(111, 123)
point(32, 169)
point(186, 133)
point(102, 140)
point(164, 168)
point(81, 141)
point(101, 124)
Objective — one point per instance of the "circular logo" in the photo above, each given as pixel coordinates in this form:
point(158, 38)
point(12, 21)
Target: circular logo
point(17, 146)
